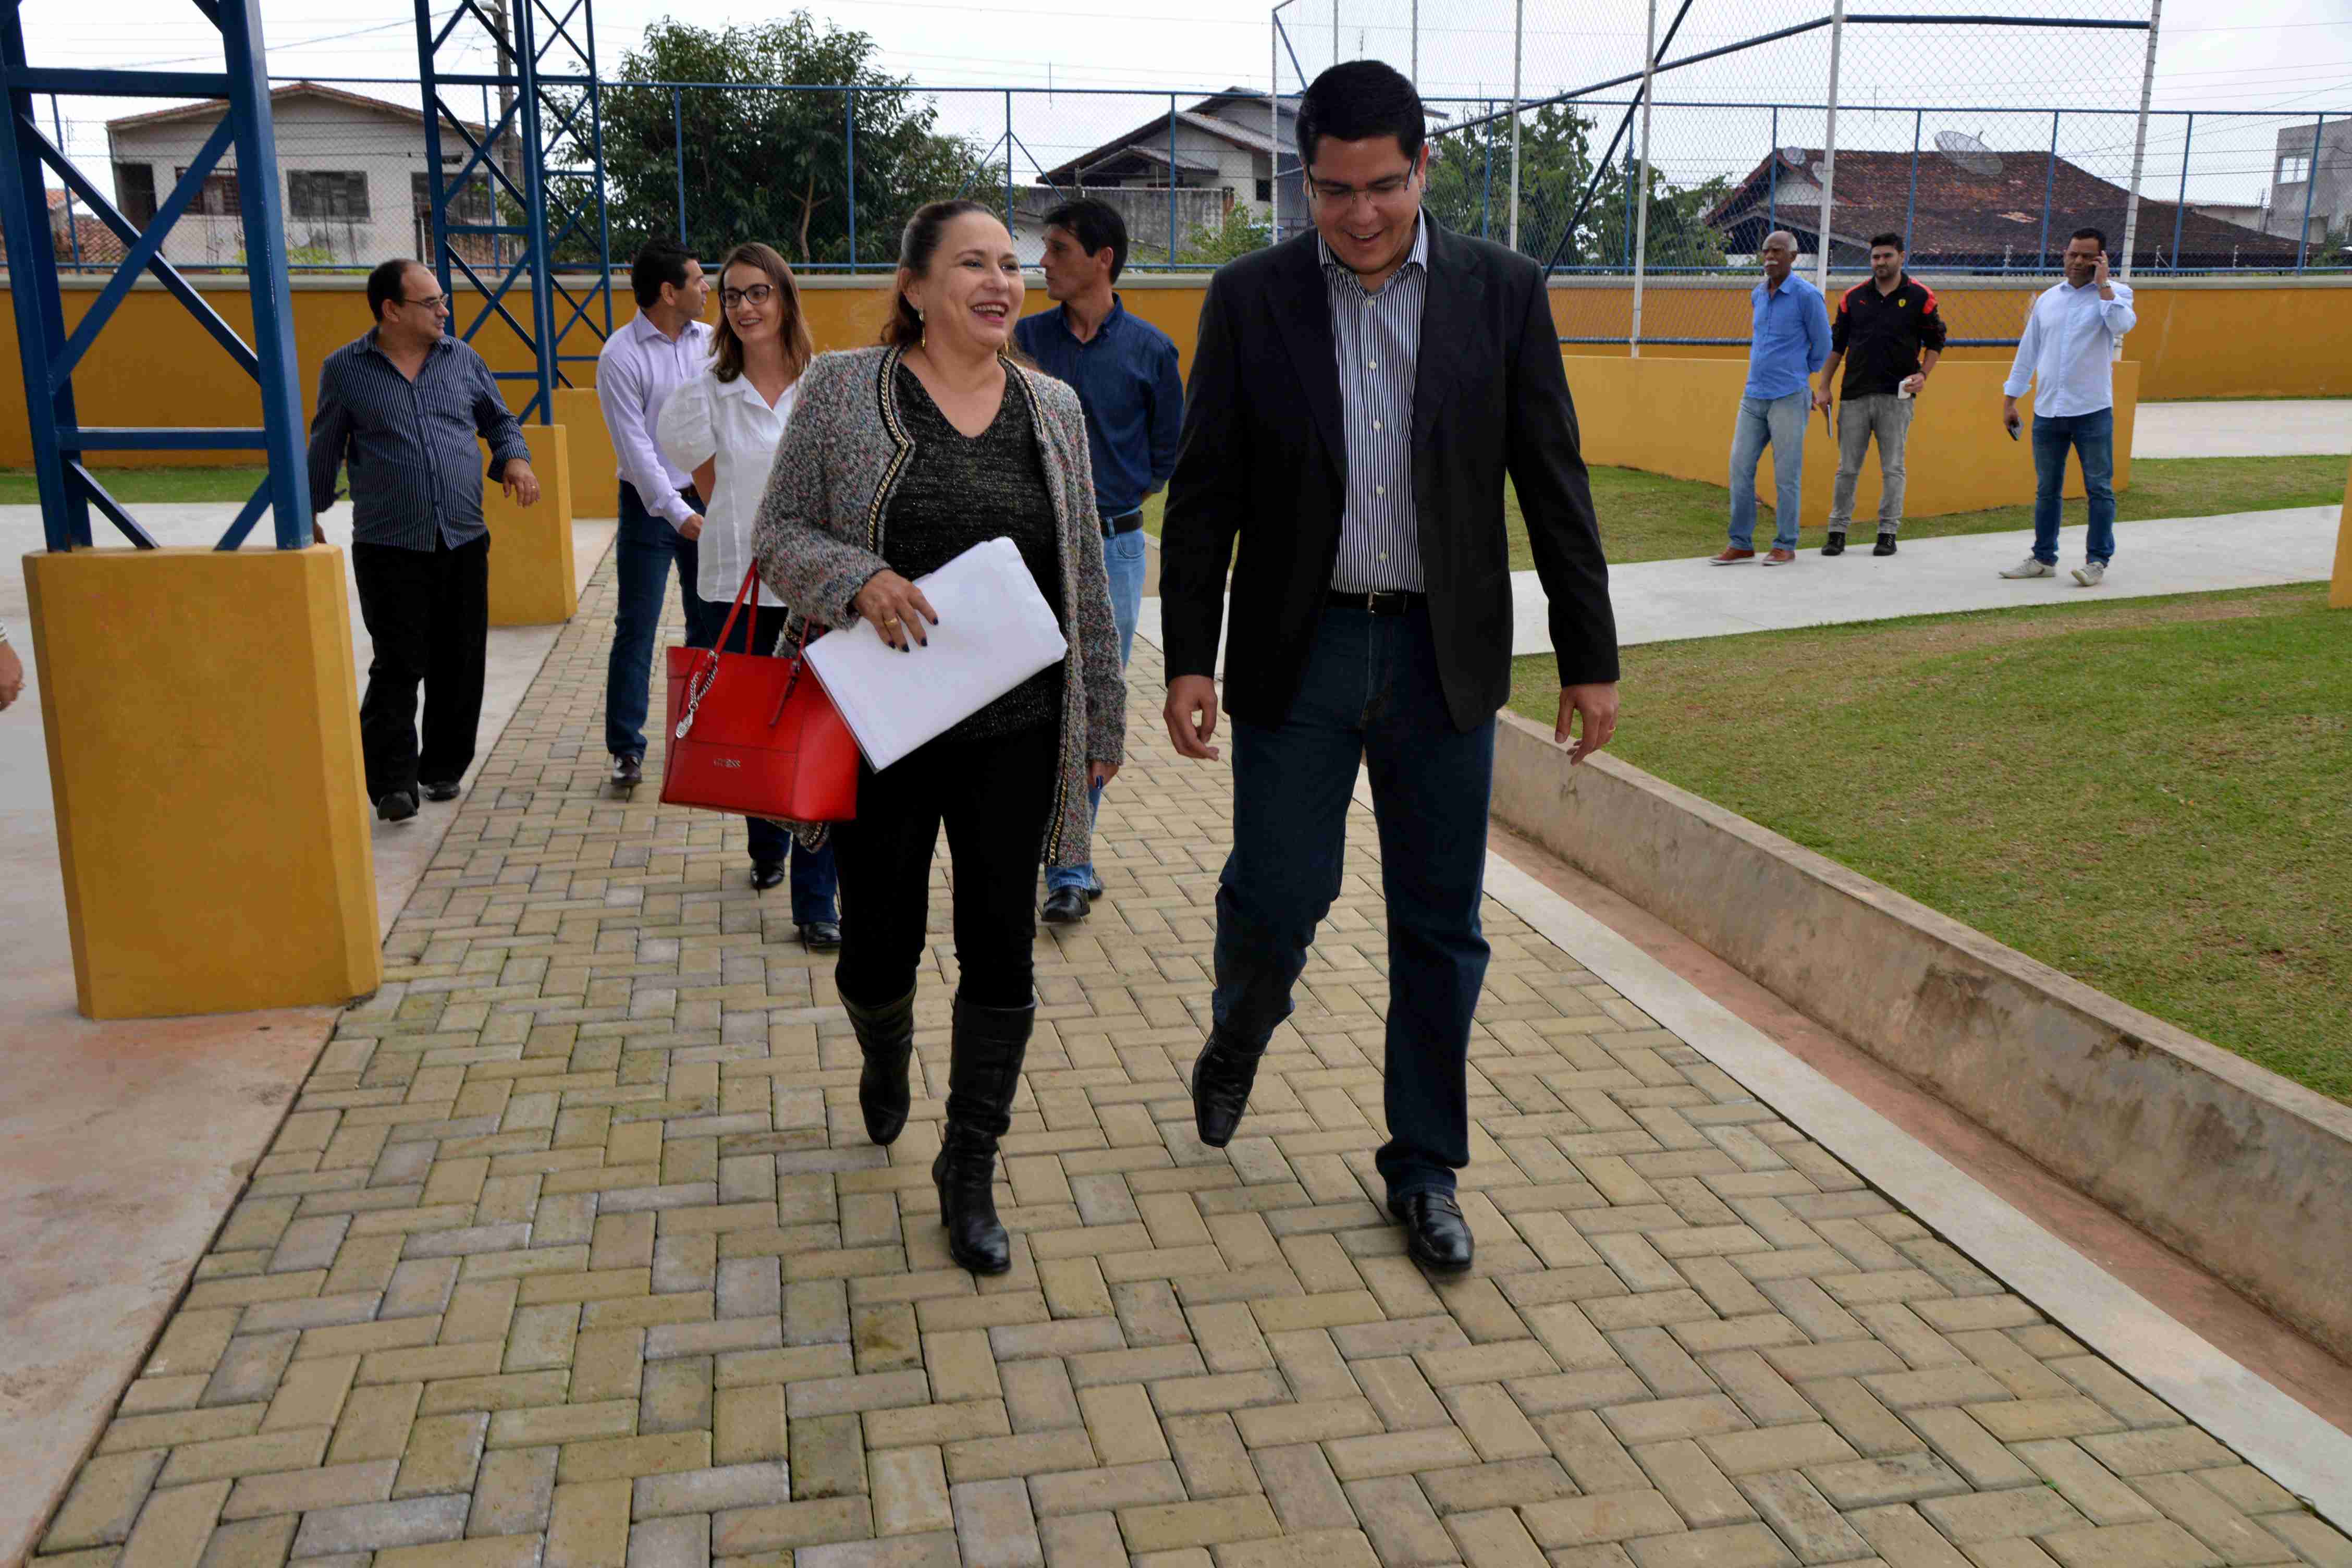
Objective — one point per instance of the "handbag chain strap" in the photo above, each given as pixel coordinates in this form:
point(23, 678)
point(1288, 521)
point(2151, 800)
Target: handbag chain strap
point(706, 675)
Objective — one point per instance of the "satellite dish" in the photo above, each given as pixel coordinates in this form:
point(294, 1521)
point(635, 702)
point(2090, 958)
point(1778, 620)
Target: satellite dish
point(1969, 154)
point(1794, 157)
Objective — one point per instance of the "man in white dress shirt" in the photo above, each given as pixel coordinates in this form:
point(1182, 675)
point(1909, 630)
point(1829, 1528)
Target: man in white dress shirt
point(661, 516)
point(2067, 355)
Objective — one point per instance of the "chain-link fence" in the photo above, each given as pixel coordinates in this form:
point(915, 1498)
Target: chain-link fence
point(829, 173)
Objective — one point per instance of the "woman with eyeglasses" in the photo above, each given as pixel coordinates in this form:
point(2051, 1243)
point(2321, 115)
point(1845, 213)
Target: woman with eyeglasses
point(723, 427)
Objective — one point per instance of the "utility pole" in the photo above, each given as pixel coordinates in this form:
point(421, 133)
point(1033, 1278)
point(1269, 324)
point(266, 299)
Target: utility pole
point(2139, 145)
point(1519, 52)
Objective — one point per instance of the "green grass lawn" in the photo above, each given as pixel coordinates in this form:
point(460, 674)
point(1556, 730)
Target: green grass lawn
point(127, 485)
point(2149, 794)
point(1644, 517)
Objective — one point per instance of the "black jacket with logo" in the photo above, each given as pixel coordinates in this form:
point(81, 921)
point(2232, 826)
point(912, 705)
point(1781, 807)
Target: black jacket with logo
point(1883, 335)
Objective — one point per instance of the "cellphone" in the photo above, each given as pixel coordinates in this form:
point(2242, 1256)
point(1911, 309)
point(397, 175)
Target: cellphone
point(2013, 431)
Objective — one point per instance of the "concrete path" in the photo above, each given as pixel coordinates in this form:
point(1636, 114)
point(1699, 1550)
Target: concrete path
point(98, 1247)
point(574, 1244)
point(2265, 428)
point(1667, 600)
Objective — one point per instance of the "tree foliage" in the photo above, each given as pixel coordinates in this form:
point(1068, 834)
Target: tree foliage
point(1470, 183)
point(1238, 233)
point(772, 166)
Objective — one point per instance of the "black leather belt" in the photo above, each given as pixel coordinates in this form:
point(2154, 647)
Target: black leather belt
point(1125, 523)
point(1397, 603)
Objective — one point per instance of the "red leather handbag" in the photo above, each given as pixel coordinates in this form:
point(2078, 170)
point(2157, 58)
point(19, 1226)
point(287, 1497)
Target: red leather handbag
point(750, 736)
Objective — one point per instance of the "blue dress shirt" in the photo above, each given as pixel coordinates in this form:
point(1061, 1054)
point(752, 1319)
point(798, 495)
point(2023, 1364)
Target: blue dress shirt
point(1788, 338)
point(1127, 381)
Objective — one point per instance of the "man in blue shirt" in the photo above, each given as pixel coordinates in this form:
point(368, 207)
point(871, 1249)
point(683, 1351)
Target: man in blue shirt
point(1125, 373)
point(1788, 340)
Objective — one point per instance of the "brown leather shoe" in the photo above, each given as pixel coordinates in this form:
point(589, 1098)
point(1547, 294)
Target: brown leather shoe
point(1782, 558)
point(1731, 557)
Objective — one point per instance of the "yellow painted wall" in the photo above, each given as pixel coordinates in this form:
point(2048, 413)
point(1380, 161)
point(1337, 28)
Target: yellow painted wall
point(2339, 590)
point(1676, 417)
point(202, 719)
point(532, 579)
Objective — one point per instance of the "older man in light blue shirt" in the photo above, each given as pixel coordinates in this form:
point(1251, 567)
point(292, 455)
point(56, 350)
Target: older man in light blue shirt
point(1789, 337)
point(2067, 354)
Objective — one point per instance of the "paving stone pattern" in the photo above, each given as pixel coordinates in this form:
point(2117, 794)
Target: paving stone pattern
point(573, 1252)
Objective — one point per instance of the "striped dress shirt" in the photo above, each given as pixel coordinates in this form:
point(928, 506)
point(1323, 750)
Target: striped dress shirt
point(1377, 340)
point(409, 445)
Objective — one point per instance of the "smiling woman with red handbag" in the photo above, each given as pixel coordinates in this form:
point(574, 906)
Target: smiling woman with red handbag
point(898, 460)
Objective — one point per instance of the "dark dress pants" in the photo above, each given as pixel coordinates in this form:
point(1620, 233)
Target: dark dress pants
point(428, 616)
point(995, 798)
point(1369, 695)
point(643, 553)
point(756, 631)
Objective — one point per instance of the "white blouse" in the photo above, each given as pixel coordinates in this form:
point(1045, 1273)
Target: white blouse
point(708, 417)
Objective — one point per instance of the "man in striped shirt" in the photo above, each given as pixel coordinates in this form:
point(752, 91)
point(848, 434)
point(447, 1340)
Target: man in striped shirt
point(399, 408)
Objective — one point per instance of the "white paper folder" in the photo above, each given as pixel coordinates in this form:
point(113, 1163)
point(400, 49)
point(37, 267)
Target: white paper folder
point(995, 631)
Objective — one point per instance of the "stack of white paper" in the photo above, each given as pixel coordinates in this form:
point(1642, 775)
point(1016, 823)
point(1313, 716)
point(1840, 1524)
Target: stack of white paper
point(995, 631)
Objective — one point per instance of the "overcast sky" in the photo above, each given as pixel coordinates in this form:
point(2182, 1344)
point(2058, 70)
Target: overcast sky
point(2294, 61)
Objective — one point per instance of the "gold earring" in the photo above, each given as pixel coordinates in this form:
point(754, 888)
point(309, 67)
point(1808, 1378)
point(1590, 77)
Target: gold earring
point(922, 328)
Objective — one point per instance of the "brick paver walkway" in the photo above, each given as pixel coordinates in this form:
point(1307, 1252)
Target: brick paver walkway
point(573, 1251)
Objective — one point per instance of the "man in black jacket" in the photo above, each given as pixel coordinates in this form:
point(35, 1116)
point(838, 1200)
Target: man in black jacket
point(1357, 396)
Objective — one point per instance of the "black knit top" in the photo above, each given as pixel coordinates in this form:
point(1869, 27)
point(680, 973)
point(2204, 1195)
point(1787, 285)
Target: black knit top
point(962, 490)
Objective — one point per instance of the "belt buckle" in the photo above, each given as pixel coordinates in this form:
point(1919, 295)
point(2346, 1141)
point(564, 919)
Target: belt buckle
point(1389, 603)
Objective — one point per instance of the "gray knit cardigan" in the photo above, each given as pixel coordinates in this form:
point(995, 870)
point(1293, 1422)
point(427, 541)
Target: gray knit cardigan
point(818, 537)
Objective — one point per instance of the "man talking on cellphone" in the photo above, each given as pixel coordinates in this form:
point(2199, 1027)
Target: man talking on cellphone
point(1359, 396)
point(2067, 354)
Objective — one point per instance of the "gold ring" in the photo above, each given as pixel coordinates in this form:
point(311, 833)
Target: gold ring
point(890, 620)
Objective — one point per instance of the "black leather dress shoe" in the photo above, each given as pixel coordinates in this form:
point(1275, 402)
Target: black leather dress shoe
point(1835, 545)
point(1886, 545)
point(821, 936)
point(1434, 1231)
point(1222, 1077)
point(397, 807)
point(628, 772)
point(1066, 906)
point(766, 874)
point(441, 790)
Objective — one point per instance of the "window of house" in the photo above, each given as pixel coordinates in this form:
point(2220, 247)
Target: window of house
point(2293, 169)
point(469, 204)
point(219, 198)
point(134, 192)
point(1265, 190)
point(327, 195)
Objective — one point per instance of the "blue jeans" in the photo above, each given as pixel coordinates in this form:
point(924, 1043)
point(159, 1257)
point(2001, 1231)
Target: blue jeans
point(1369, 694)
point(644, 550)
point(1124, 557)
point(756, 631)
point(2092, 437)
point(1780, 423)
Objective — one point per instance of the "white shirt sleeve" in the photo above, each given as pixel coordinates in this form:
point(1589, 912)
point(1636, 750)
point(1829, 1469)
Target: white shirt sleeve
point(2028, 345)
point(2118, 313)
point(689, 435)
point(621, 395)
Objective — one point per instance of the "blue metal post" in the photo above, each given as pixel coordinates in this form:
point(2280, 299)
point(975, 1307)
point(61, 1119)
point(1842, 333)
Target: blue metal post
point(677, 141)
point(1171, 179)
point(2180, 208)
point(265, 269)
point(1911, 208)
point(1772, 185)
point(40, 312)
point(2049, 189)
point(534, 174)
point(849, 159)
point(2310, 183)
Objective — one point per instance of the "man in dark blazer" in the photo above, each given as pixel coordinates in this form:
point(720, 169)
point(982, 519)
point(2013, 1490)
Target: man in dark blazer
point(1357, 396)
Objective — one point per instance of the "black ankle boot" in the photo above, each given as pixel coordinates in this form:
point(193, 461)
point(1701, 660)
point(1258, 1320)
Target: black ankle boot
point(983, 1075)
point(887, 1036)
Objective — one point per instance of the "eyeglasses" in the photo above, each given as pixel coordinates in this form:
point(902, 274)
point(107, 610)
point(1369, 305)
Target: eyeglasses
point(434, 304)
point(1331, 194)
point(758, 293)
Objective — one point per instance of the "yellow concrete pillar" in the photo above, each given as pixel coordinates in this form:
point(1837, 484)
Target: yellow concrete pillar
point(203, 725)
point(2339, 587)
point(532, 577)
point(596, 471)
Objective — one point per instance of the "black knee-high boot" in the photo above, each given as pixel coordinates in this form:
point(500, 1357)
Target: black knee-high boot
point(887, 1036)
point(983, 1075)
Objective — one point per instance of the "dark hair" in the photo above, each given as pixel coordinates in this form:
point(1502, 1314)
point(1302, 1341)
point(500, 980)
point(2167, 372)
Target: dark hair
point(917, 246)
point(1356, 100)
point(727, 348)
point(388, 284)
point(1097, 227)
point(2098, 234)
point(660, 261)
point(1889, 237)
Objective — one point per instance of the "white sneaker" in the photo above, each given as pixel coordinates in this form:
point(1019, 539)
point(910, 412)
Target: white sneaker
point(2030, 567)
point(2091, 573)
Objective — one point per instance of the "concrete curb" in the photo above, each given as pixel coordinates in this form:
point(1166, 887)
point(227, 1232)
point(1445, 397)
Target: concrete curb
point(2236, 1167)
